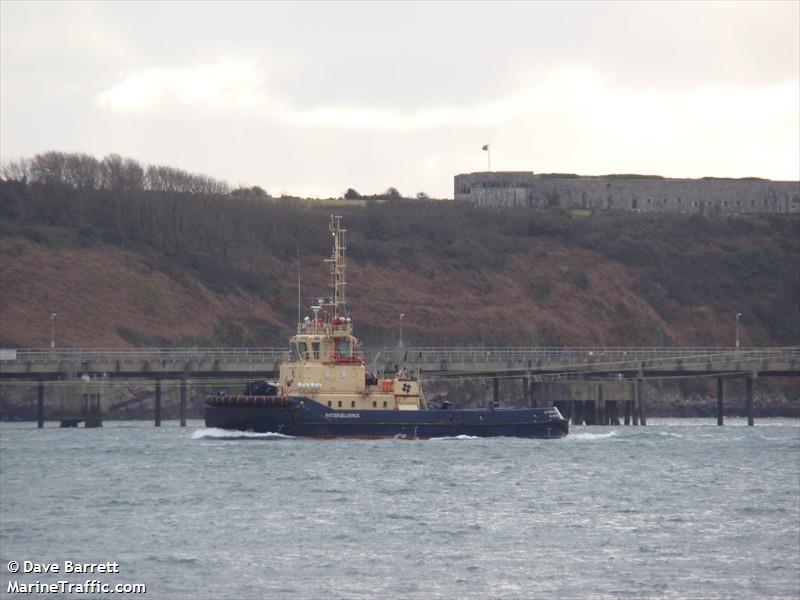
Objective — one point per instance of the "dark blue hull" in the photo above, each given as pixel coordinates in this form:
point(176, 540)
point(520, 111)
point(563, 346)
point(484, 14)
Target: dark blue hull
point(304, 417)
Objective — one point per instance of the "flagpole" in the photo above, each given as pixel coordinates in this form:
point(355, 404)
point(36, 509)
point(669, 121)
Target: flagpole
point(489, 157)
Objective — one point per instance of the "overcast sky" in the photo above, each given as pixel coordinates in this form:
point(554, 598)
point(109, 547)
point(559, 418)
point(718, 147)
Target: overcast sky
point(311, 99)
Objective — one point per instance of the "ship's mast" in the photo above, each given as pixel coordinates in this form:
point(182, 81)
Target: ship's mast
point(338, 261)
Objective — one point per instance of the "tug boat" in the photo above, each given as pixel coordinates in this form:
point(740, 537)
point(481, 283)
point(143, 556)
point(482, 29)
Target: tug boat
point(325, 391)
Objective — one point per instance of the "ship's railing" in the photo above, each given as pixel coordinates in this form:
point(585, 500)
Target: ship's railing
point(452, 356)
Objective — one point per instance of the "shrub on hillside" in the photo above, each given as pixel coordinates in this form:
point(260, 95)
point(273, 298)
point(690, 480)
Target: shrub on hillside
point(541, 288)
point(578, 278)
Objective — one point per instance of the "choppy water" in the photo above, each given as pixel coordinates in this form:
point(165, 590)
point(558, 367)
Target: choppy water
point(677, 509)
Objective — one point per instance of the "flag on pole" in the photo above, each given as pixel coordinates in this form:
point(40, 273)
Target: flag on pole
point(486, 147)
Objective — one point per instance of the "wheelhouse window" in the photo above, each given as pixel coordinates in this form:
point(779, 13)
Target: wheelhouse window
point(343, 348)
point(303, 348)
point(295, 353)
point(315, 346)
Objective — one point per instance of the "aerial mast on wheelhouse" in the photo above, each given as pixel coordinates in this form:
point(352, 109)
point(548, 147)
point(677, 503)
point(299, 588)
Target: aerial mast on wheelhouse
point(338, 262)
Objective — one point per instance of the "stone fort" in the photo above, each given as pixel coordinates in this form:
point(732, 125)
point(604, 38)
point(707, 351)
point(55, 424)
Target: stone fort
point(639, 193)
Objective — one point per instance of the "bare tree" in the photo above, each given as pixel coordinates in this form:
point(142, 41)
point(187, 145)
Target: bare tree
point(48, 167)
point(161, 178)
point(392, 194)
point(82, 171)
point(121, 174)
point(252, 192)
point(114, 172)
point(16, 170)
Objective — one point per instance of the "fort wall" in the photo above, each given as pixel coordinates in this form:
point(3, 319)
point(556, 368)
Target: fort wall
point(629, 193)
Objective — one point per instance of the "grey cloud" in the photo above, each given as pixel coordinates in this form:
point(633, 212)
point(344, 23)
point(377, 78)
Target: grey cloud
point(381, 94)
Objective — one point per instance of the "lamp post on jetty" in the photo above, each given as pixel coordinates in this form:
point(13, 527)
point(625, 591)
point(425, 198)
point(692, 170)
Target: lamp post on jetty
point(53, 329)
point(400, 341)
point(738, 316)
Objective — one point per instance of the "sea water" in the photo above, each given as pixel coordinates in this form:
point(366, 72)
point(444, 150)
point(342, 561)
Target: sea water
point(677, 509)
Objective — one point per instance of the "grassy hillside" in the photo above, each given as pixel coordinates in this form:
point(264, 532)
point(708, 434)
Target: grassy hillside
point(144, 268)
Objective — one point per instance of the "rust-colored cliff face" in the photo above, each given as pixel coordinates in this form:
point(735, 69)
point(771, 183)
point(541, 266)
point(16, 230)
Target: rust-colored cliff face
point(109, 297)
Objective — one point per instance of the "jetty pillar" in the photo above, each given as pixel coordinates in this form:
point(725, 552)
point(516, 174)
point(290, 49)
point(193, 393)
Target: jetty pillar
point(183, 403)
point(612, 418)
point(720, 399)
point(749, 401)
point(526, 390)
point(158, 403)
point(577, 413)
point(600, 406)
point(94, 409)
point(628, 405)
point(594, 411)
point(640, 392)
point(536, 391)
point(40, 405)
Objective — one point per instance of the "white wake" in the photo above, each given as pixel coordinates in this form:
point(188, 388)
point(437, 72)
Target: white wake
point(591, 436)
point(213, 433)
